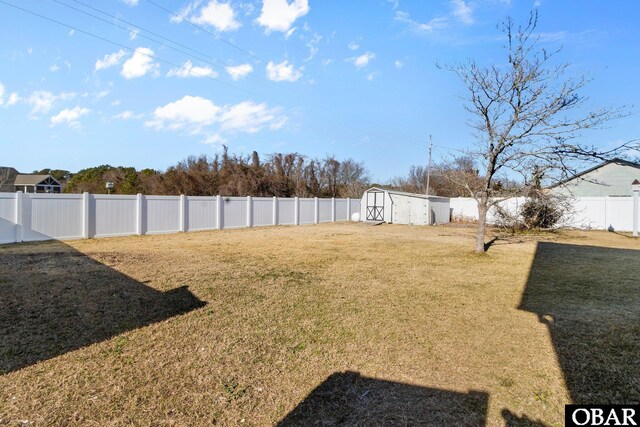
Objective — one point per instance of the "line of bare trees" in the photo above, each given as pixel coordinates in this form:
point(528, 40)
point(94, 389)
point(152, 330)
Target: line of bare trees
point(282, 175)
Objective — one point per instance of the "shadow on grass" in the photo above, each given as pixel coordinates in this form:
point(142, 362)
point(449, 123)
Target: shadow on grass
point(589, 298)
point(349, 399)
point(55, 299)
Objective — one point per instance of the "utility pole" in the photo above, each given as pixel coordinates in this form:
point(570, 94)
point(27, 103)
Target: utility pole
point(429, 166)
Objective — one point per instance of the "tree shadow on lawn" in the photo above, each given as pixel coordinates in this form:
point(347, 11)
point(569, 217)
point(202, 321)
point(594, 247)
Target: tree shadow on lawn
point(56, 300)
point(349, 399)
point(589, 298)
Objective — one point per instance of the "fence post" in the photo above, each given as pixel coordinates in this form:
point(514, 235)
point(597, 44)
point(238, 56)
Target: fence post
point(348, 208)
point(333, 209)
point(139, 206)
point(316, 214)
point(606, 213)
point(275, 210)
point(219, 213)
point(19, 219)
point(183, 213)
point(635, 187)
point(85, 215)
point(296, 211)
point(249, 211)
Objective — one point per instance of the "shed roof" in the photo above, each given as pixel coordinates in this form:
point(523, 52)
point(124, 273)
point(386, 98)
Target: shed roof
point(28, 179)
point(404, 193)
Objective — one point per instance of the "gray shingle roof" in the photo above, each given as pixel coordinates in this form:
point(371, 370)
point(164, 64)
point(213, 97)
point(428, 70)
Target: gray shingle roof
point(31, 179)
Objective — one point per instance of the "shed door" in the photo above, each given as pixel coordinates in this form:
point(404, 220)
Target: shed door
point(375, 206)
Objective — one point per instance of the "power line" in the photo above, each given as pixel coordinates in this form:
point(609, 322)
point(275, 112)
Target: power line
point(201, 28)
point(216, 62)
point(393, 139)
point(119, 44)
point(217, 37)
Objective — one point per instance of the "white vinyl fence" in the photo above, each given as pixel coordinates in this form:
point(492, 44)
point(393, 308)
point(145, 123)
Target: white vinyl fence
point(33, 217)
point(596, 213)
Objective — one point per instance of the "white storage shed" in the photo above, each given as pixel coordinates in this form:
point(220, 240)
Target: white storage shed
point(397, 207)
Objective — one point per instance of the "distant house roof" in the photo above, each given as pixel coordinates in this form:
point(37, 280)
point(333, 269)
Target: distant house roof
point(608, 162)
point(404, 193)
point(33, 179)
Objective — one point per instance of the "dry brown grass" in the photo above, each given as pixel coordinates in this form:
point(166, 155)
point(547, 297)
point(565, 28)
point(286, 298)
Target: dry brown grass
point(436, 334)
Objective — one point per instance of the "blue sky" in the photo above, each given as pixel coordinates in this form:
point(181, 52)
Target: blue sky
point(350, 78)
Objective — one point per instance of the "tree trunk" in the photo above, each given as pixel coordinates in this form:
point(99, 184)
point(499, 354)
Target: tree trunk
point(482, 224)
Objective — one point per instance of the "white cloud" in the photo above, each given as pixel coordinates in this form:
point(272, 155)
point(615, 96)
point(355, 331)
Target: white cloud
point(133, 34)
point(188, 70)
point(116, 103)
point(537, 3)
point(282, 72)
point(139, 64)
point(289, 33)
point(110, 60)
point(373, 75)
point(434, 24)
point(71, 32)
point(190, 110)
point(239, 71)
point(185, 12)
point(70, 117)
point(249, 117)
point(131, 3)
point(215, 139)
point(313, 46)
point(68, 65)
point(200, 116)
point(327, 61)
point(54, 68)
point(279, 15)
point(362, 60)
point(12, 100)
point(353, 46)
point(218, 15)
point(128, 115)
point(398, 64)
point(41, 101)
point(462, 11)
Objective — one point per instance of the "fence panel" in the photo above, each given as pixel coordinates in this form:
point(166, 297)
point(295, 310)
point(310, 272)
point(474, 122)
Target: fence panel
point(307, 210)
point(286, 211)
point(235, 212)
point(620, 213)
point(587, 212)
point(262, 211)
point(325, 206)
point(53, 216)
point(7, 218)
point(202, 213)
point(342, 210)
point(71, 216)
point(115, 215)
point(355, 207)
point(161, 214)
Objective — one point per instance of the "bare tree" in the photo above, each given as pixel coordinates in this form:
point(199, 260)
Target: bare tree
point(7, 177)
point(527, 113)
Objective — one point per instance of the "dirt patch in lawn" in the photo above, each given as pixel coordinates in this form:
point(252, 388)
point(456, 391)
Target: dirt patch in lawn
point(316, 325)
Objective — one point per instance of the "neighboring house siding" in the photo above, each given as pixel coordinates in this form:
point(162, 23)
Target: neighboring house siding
point(609, 180)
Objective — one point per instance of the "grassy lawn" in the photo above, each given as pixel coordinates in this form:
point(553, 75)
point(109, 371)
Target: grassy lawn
point(317, 325)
